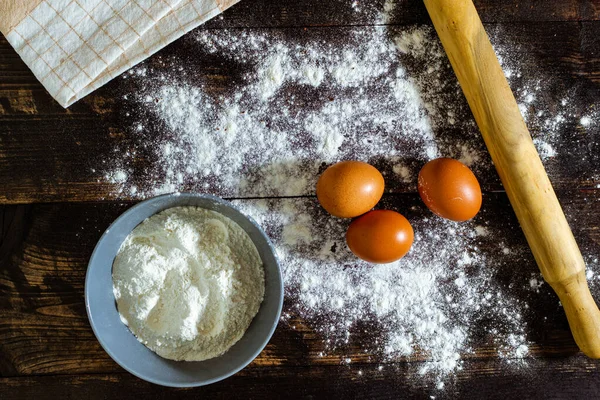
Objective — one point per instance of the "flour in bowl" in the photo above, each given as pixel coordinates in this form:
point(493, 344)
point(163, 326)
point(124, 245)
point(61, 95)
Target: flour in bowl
point(188, 282)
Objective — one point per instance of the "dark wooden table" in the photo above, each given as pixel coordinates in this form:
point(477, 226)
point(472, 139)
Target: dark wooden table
point(54, 207)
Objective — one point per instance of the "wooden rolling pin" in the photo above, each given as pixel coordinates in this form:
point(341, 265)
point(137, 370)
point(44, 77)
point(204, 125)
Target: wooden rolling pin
point(518, 163)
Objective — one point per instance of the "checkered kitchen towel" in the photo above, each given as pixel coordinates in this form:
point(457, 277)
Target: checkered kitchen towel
point(75, 46)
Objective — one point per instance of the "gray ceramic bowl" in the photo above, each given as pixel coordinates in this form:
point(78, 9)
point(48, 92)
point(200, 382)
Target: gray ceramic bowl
point(121, 344)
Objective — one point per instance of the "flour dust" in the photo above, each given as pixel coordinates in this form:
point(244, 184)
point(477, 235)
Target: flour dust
point(287, 106)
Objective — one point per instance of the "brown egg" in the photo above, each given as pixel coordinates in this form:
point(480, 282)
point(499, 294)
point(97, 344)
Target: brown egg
point(350, 188)
point(450, 189)
point(380, 236)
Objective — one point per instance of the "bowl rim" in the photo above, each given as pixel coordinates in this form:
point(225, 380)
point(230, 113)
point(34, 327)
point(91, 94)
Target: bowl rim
point(126, 214)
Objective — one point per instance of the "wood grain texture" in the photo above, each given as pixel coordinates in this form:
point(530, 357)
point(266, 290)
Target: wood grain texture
point(51, 154)
point(48, 154)
point(44, 328)
point(265, 13)
point(482, 380)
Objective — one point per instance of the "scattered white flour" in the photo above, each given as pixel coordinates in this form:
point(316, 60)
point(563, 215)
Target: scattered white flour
point(468, 156)
point(117, 176)
point(482, 230)
point(549, 119)
point(429, 304)
point(386, 99)
point(188, 282)
point(536, 282)
point(388, 8)
point(403, 172)
point(373, 98)
point(545, 149)
point(385, 95)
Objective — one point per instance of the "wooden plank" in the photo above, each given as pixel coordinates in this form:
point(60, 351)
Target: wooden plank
point(304, 13)
point(2, 228)
point(51, 154)
point(568, 48)
point(44, 327)
point(555, 378)
point(264, 13)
